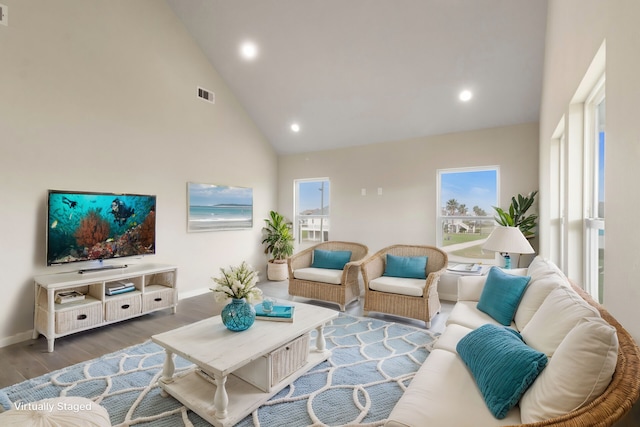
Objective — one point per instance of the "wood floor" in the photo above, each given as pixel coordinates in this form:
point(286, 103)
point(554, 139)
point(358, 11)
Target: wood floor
point(30, 359)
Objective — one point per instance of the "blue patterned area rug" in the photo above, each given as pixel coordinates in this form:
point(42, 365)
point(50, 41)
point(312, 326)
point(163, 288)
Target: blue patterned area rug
point(371, 365)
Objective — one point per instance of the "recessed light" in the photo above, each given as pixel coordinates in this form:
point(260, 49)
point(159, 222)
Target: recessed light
point(295, 127)
point(249, 50)
point(465, 95)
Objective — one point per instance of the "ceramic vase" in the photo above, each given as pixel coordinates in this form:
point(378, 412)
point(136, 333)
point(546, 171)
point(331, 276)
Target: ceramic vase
point(238, 315)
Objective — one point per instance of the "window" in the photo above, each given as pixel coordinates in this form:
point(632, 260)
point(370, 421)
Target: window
point(557, 208)
point(594, 178)
point(465, 211)
point(311, 198)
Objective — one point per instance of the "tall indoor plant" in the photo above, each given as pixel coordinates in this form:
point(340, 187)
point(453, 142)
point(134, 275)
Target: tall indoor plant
point(516, 215)
point(278, 239)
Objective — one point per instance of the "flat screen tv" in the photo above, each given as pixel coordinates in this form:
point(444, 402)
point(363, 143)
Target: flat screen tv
point(86, 226)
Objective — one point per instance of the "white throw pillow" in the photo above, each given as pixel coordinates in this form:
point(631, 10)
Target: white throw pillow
point(560, 312)
point(533, 297)
point(579, 371)
point(541, 267)
point(58, 411)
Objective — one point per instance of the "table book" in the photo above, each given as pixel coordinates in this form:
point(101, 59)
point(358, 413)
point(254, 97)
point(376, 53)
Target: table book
point(68, 296)
point(119, 288)
point(472, 269)
point(280, 313)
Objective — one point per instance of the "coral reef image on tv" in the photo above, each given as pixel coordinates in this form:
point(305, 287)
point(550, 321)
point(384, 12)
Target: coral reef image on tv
point(86, 226)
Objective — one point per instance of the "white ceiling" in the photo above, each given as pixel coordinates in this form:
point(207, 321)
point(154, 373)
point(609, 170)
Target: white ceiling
point(355, 72)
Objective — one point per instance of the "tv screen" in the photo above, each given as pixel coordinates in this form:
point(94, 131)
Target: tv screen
point(84, 226)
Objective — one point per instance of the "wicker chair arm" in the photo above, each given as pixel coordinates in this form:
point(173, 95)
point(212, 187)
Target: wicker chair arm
point(302, 259)
point(372, 268)
point(432, 281)
point(350, 272)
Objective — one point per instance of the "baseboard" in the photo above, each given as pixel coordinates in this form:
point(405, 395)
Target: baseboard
point(448, 297)
point(27, 335)
point(14, 339)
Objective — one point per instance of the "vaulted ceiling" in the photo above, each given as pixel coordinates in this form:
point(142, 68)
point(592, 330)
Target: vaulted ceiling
point(353, 72)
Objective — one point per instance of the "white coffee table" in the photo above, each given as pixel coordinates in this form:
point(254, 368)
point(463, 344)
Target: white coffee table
point(236, 372)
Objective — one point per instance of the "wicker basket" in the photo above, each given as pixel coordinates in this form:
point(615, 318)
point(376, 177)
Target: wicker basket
point(78, 317)
point(123, 307)
point(288, 359)
point(158, 299)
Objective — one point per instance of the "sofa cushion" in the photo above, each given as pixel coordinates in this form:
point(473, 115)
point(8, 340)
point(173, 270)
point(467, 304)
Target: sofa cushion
point(450, 337)
point(398, 285)
point(334, 260)
point(443, 393)
point(533, 297)
point(466, 314)
point(560, 312)
point(541, 267)
point(502, 365)
point(324, 275)
point(501, 295)
point(579, 371)
point(410, 267)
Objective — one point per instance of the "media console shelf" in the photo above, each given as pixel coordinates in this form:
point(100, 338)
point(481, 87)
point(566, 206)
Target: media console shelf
point(155, 289)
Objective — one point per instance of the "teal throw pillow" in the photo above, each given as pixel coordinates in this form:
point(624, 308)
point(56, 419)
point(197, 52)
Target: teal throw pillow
point(501, 295)
point(411, 267)
point(334, 260)
point(503, 366)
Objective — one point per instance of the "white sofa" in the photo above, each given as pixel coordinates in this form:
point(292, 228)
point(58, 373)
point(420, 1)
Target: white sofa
point(591, 376)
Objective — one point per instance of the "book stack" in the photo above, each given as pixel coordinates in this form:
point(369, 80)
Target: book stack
point(116, 288)
point(279, 313)
point(467, 269)
point(68, 296)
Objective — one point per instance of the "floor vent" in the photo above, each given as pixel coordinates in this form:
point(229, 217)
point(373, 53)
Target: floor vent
point(206, 95)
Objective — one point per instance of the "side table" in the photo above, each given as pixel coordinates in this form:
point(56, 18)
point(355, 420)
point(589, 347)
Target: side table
point(448, 284)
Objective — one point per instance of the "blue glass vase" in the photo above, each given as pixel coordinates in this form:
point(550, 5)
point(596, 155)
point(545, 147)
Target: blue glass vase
point(238, 315)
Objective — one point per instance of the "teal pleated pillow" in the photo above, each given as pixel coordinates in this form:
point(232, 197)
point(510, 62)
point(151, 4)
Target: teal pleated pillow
point(502, 364)
point(330, 259)
point(501, 295)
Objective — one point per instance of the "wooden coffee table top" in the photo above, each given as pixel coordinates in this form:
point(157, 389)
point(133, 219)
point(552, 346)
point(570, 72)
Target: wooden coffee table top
point(208, 343)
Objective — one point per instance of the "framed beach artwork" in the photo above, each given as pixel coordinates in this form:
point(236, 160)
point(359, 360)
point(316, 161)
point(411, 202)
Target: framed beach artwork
point(219, 207)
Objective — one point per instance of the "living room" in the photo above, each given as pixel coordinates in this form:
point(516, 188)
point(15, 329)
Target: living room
point(99, 96)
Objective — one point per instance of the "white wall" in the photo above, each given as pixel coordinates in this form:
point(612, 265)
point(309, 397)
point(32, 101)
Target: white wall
point(575, 31)
point(101, 96)
point(406, 171)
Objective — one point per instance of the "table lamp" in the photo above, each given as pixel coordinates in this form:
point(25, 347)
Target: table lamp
point(507, 240)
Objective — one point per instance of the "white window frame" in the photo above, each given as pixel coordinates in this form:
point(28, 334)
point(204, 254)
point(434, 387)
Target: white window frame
point(593, 224)
point(441, 218)
point(324, 218)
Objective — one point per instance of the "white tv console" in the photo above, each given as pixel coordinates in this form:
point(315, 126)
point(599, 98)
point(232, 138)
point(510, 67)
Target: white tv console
point(155, 289)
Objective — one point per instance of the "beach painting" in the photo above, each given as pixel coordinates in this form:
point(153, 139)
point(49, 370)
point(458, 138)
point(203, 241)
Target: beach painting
point(219, 207)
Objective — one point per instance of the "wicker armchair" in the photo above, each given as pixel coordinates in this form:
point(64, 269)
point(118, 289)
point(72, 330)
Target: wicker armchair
point(422, 307)
point(343, 293)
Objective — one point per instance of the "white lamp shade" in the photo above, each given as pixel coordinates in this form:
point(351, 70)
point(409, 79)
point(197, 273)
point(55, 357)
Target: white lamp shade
point(508, 240)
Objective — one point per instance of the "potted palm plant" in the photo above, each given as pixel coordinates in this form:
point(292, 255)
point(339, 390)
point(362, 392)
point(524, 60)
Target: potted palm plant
point(516, 215)
point(278, 239)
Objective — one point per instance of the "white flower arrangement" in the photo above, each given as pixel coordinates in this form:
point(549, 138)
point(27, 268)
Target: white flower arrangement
point(237, 282)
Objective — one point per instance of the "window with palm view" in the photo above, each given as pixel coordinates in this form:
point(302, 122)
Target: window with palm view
point(466, 198)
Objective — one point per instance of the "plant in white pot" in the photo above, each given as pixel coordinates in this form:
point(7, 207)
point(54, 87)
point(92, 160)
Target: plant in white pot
point(278, 239)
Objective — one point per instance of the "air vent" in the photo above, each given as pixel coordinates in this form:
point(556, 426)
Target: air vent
point(4, 15)
point(206, 95)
